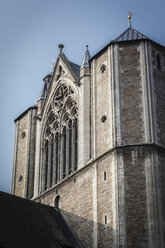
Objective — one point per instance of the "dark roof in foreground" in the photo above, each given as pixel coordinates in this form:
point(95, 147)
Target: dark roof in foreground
point(27, 224)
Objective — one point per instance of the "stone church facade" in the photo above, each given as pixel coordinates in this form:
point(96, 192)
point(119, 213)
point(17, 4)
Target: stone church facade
point(94, 145)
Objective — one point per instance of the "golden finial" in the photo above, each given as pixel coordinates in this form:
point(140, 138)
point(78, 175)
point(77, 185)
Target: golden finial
point(129, 18)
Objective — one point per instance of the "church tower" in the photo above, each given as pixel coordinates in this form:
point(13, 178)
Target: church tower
point(94, 145)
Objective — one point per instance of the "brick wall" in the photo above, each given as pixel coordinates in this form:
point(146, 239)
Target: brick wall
point(85, 199)
point(135, 197)
point(159, 82)
point(131, 94)
point(103, 104)
point(21, 157)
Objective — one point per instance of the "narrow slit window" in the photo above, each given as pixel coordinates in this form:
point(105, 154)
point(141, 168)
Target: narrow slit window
point(105, 219)
point(105, 175)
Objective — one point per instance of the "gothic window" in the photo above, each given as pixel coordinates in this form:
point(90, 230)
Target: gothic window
point(56, 157)
point(75, 128)
point(60, 137)
point(46, 165)
point(51, 160)
point(63, 145)
point(70, 146)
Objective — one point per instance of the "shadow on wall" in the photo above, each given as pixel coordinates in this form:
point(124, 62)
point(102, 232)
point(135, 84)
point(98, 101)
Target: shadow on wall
point(90, 233)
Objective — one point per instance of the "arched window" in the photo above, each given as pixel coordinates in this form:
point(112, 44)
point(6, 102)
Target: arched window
point(63, 152)
point(60, 152)
point(57, 201)
point(56, 158)
point(76, 143)
point(51, 159)
point(46, 165)
point(158, 62)
point(70, 147)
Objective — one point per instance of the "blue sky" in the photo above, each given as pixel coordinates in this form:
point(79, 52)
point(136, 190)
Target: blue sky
point(30, 33)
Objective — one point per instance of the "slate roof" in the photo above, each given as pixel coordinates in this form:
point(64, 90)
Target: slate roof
point(74, 68)
point(27, 224)
point(85, 62)
point(130, 34)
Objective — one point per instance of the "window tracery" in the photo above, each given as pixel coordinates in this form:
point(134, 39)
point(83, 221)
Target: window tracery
point(60, 137)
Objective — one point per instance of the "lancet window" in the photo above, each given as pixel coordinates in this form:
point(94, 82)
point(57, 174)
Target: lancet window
point(60, 138)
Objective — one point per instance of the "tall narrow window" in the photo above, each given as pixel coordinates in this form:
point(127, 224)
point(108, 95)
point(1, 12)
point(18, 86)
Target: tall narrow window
point(64, 151)
point(46, 165)
point(158, 62)
point(76, 143)
point(56, 157)
point(51, 162)
point(70, 146)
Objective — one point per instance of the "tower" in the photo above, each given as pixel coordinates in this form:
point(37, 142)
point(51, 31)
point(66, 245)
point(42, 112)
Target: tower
point(98, 144)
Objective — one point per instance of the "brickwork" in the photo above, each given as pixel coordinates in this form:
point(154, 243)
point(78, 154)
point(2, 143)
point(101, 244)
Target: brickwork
point(31, 162)
point(105, 202)
point(76, 203)
point(103, 98)
point(21, 157)
point(24, 169)
point(136, 195)
point(161, 162)
point(131, 94)
point(159, 82)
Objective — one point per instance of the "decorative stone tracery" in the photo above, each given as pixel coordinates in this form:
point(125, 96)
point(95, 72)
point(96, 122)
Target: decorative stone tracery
point(60, 138)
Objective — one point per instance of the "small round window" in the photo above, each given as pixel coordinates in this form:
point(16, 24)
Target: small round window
point(20, 178)
point(103, 68)
point(103, 118)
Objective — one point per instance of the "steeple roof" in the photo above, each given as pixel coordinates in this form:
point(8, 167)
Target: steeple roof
point(130, 34)
point(85, 62)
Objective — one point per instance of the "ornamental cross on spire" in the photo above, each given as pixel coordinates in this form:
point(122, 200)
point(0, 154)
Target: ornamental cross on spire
point(129, 18)
point(60, 46)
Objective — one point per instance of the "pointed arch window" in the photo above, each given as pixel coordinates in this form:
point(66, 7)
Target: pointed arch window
point(63, 152)
point(60, 156)
point(75, 143)
point(46, 165)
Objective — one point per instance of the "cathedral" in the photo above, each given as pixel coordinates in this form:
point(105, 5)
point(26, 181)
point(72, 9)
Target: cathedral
point(93, 146)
